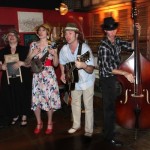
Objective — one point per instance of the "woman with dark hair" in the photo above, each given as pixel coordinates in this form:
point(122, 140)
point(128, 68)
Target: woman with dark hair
point(45, 91)
point(15, 96)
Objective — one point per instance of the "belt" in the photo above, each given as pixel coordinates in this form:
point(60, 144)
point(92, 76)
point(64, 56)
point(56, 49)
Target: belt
point(48, 62)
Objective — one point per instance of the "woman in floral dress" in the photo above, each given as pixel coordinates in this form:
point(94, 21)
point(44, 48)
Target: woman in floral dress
point(45, 91)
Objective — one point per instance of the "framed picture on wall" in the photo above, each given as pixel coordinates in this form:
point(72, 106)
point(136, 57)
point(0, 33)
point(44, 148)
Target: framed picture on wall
point(28, 38)
point(27, 21)
point(3, 31)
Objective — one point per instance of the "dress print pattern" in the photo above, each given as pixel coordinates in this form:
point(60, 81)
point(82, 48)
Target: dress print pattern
point(45, 90)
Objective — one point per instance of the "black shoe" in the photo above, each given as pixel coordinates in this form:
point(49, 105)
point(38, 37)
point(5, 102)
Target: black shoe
point(116, 143)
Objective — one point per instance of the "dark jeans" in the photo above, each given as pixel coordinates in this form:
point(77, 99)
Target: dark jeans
point(109, 94)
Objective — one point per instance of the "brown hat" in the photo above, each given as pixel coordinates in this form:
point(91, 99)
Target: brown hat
point(72, 27)
point(109, 24)
point(46, 26)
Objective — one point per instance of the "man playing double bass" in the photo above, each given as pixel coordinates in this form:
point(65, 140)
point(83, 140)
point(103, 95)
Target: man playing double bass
point(109, 61)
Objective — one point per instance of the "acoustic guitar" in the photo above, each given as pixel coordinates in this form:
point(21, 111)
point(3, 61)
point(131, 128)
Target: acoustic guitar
point(71, 72)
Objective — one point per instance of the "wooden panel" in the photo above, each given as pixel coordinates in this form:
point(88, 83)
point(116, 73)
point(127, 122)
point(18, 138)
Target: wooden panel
point(94, 2)
point(108, 14)
point(123, 24)
point(77, 4)
point(86, 3)
point(96, 29)
point(143, 20)
point(122, 13)
point(148, 35)
point(93, 42)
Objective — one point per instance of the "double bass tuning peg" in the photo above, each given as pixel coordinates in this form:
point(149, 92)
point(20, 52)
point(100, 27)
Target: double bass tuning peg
point(135, 12)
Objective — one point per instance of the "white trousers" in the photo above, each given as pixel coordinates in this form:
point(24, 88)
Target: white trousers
point(88, 105)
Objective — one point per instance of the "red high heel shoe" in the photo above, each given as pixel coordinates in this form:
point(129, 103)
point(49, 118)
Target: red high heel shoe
point(49, 130)
point(38, 128)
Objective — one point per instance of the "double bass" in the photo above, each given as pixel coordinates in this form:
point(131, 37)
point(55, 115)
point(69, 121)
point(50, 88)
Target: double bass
point(133, 104)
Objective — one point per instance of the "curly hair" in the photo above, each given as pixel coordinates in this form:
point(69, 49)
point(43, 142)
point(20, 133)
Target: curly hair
point(16, 33)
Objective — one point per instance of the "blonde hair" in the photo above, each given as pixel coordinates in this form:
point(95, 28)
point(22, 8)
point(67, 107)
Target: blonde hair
point(46, 26)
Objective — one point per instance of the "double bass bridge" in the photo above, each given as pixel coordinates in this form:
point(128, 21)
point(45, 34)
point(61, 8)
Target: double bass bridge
point(144, 94)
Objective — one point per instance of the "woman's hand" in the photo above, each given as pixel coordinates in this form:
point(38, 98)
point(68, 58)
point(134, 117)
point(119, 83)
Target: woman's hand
point(17, 65)
point(36, 51)
point(53, 52)
point(4, 66)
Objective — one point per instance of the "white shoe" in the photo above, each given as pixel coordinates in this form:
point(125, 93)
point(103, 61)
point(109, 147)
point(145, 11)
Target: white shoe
point(14, 121)
point(72, 130)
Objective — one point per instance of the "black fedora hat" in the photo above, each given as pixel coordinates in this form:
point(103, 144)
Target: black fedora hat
point(109, 24)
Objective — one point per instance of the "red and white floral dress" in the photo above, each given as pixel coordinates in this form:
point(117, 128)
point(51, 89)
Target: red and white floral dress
point(45, 90)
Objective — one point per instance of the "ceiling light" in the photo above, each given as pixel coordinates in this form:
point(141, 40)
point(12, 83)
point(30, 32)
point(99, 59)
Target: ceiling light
point(63, 9)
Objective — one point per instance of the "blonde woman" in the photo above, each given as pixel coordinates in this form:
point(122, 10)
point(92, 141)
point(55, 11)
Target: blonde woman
point(45, 91)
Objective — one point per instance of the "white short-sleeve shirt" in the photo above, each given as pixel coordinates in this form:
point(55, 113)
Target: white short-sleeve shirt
point(85, 79)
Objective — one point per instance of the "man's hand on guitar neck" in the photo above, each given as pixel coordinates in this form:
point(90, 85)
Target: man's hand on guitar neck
point(80, 65)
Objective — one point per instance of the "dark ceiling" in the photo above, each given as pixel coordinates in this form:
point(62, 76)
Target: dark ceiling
point(40, 4)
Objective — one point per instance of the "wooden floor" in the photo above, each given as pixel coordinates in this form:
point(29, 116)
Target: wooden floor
point(22, 138)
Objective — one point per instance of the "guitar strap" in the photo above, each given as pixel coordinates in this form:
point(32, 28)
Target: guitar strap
point(75, 72)
point(42, 59)
point(79, 48)
point(79, 53)
point(71, 86)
